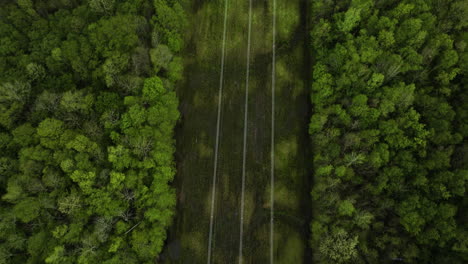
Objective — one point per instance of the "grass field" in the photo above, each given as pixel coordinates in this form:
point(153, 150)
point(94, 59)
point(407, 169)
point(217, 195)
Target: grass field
point(188, 239)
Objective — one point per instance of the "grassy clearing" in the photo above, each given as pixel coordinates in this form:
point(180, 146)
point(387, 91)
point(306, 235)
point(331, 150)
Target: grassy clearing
point(196, 137)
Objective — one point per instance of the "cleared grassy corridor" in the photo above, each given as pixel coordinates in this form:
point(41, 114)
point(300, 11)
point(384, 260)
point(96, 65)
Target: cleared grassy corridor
point(196, 136)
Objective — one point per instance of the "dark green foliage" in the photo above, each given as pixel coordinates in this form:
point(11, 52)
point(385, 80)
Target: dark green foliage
point(389, 131)
point(86, 129)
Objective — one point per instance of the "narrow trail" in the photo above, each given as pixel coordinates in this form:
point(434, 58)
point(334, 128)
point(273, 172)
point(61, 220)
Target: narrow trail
point(244, 156)
point(215, 167)
point(272, 157)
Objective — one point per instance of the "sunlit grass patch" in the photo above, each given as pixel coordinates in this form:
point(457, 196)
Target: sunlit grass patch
point(249, 207)
point(198, 100)
point(204, 151)
point(283, 73)
point(226, 194)
point(289, 246)
point(285, 196)
point(287, 19)
point(285, 150)
point(287, 77)
point(192, 241)
point(204, 19)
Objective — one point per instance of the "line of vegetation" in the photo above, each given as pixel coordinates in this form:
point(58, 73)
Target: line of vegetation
point(87, 111)
point(389, 130)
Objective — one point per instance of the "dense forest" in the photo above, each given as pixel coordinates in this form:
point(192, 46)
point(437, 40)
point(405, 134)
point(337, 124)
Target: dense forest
point(389, 130)
point(88, 108)
point(87, 111)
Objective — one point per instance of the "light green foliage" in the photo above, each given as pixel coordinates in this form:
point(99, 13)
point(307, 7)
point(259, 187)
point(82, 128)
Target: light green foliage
point(339, 247)
point(84, 179)
point(14, 192)
point(24, 135)
point(56, 54)
point(113, 67)
point(49, 132)
point(323, 84)
point(134, 118)
point(27, 5)
point(346, 208)
point(14, 92)
point(120, 157)
point(161, 57)
point(57, 256)
point(27, 210)
point(170, 21)
point(69, 204)
point(35, 71)
point(324, 171)
point(102, 6)
point(350, 20)
point(37, 243)
point(175, 69)
point(114, 34)
point(153, 89)
point(364, 219)
point(317, 122)
point(13, 97)
point(115, 245)
point(83, 144)
point(86, 135)
point(116, 179)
